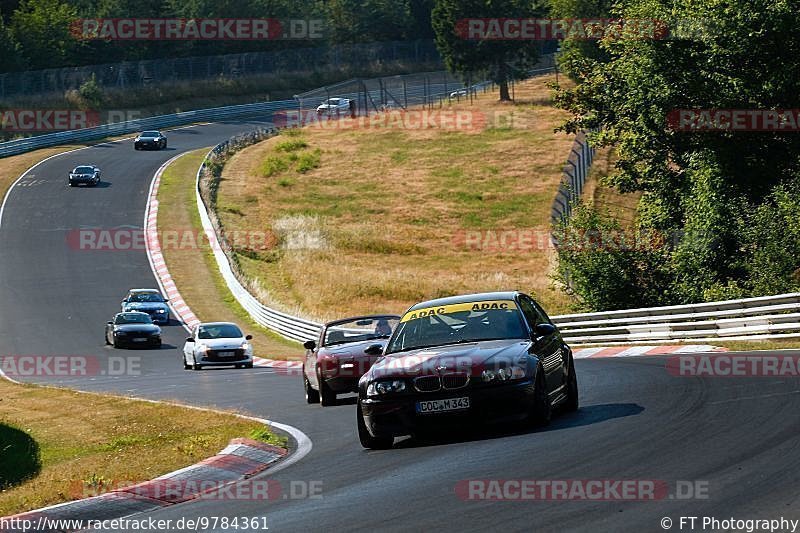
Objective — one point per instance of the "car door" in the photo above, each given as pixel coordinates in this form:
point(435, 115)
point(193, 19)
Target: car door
point(548, 348)
point(310, 364)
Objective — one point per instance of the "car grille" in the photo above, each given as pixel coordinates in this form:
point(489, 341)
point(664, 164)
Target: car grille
point(238, 355)
point(454, 381)
point(427, 383)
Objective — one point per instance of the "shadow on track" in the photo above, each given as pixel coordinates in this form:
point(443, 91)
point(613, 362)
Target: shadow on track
point(585, 416)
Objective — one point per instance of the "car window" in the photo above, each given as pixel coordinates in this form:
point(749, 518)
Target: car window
point(84, 170)
point(145, 297)
point(533, 313)
point(361, 329)
point(219, 331)
point(455, 323)
point(130, 318)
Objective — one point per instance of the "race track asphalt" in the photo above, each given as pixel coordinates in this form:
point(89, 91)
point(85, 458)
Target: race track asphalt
point(737, 437)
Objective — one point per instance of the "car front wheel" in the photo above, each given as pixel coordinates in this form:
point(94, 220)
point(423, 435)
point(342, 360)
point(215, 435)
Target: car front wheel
point(542, 409)
point(312, 396)
point(572, 388)
point(327, 396)
point(366, 439)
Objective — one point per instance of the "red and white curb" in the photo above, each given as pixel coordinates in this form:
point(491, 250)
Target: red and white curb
point(632, 351)
point(217, 477)
point(179, 307)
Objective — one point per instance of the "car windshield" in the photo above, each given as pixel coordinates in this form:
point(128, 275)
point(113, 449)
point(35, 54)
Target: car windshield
point(219, 331)
point(362, 329)
point(149, 134)
point(84, 170)
point(145, 297)
point(457, 323)
point(132, 318)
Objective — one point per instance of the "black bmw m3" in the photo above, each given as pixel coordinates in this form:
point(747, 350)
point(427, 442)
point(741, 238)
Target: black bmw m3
point(482, 357)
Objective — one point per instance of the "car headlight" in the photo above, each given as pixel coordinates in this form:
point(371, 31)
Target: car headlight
point(379, 388)
point(161, 311)
point(202, 348)
point(503, 374)
point(245, 346)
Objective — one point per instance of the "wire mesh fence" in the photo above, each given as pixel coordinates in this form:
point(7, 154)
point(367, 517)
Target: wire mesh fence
point(172, 70)
point(402, 91)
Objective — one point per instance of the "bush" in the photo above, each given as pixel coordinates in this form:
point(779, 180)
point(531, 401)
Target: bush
point(91, 94)
point(606, 268)
point(308, 161)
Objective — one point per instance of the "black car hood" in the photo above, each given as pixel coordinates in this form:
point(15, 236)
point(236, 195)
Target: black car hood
point(137, 328)
point(472, 358)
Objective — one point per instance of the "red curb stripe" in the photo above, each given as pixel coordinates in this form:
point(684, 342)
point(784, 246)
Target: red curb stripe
point(609, 352)
point(234, 463)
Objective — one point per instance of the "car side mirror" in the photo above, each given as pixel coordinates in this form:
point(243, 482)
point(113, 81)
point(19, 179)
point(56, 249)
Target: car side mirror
point(110, 323)
point(544, 329)
point(190, 339)
point(374, 349)
point(248, 337)
point(309, 345)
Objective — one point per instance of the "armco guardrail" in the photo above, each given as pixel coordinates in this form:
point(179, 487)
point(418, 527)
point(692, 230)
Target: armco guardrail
point(261, 110)
point(768, 317)
point(573, 179)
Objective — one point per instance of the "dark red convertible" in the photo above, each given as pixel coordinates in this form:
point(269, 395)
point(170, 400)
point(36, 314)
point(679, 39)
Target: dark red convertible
point(345, 350)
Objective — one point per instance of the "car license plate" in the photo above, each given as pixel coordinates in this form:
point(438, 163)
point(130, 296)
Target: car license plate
point(140, 339)
point(225, 354)
point(441, 406)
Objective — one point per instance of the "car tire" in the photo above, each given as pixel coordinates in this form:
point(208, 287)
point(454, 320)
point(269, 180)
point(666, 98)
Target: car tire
point(136, 147)
point(115, 344)
point(186, 366)
point(327, 397)
point(71, 184)
point(196, 366)
point(368, 441)
point(248, 365)
point(312, 396)
point(572, 403)
point(542, 408)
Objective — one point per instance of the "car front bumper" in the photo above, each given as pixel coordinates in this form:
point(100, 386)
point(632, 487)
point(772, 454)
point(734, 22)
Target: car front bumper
point(488, 404)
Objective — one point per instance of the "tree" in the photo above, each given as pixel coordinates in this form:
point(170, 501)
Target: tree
point(42, 28)
point(700, 185)
point(9, 49)
point(503, 60)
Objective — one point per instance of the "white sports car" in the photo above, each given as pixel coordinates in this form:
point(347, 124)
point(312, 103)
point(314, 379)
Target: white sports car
point(217, 344)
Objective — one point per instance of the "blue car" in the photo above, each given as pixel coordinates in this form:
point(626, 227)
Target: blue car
point(147, 301)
